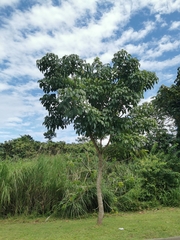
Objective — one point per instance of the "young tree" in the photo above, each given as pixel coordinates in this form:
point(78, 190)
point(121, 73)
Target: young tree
point(95, 98)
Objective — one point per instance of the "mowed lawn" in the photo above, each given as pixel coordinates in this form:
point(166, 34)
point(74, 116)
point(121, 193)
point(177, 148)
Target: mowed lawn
point(140, 225)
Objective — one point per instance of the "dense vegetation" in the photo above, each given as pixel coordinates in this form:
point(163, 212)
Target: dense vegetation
point(59, 178)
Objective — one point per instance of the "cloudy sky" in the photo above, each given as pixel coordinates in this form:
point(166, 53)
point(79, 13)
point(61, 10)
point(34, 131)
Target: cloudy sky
point(147, 29)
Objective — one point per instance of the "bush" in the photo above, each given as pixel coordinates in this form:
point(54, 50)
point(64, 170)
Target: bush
point(171, 198)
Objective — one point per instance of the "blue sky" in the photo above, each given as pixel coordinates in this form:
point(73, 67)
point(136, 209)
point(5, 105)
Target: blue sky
point(147, 29)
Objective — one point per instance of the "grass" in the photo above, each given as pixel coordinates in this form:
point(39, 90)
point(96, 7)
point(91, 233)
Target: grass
point(140, 225)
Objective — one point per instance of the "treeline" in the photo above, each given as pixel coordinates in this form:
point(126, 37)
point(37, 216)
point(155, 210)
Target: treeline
point(157, 129)
point(25, 147)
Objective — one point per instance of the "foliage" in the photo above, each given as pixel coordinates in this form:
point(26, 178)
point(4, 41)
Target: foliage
point(156, 178)
point(26, 148)
point(158, 130)
point(172, 158)
point(30, 186)
point(125, 147)
point(61, 185)
point(64, 185)
point(91, 96)
point(19, 148)
point(171, 198)
point(168, 101)
point(150, 129)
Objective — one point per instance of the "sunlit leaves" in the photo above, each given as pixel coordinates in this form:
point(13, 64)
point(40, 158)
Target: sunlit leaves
point(93, 97)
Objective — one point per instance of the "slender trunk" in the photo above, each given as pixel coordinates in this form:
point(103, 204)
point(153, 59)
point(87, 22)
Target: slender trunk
point(99, 190)
point(99, 182)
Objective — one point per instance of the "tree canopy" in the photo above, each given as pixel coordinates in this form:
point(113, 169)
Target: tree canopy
point(168, 101)
point(95, 97)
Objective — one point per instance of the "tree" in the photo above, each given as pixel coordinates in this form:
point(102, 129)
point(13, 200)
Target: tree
point(22, 147)
point(95, 98)
point(168, 102)
point(151, 130)
point(126, 145)
point(49, 135)
point(159, 129)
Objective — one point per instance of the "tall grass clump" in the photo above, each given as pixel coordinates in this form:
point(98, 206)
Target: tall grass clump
point(32, 187)
point(5, 187)
point(61, 184)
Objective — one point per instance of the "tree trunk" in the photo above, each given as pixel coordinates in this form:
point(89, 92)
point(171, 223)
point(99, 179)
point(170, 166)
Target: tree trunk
point(99, 182)
point(99, 189)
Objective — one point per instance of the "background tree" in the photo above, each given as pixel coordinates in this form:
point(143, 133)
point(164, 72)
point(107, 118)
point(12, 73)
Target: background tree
point(168, 101)
point(159, 129)
point(49, 135)
point(132, 142)
point(95, 98)
point(19, 148)
point(151, 130)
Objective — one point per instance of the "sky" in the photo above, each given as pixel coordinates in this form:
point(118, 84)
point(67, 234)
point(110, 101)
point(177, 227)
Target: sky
point(147, 29)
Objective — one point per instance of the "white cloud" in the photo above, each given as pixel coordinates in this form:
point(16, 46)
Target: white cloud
point(4, 86)
point(4, 3)
point(18, 105)
point(161, 46)
point(87, 28)
point(132, 35)
point(160, 65)
point(137, 49)
point(159, 19)
point(149, 99)
point(175, 25)
point(163, 6)
point(15, 119)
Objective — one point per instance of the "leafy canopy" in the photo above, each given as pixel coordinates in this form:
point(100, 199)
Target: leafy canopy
point(168, 101)
point(95, 97)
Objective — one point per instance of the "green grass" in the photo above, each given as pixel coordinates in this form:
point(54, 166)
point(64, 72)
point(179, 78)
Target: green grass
point(140, 225)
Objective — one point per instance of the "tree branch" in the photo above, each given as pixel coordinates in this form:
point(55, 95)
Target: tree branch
point(94, 142)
